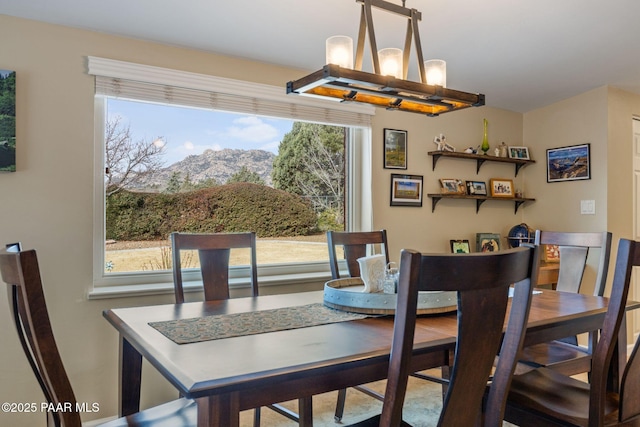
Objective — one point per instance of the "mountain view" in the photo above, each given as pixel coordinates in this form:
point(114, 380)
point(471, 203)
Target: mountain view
point(211, 164)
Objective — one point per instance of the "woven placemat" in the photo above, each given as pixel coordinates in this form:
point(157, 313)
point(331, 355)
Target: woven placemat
point(185, 331)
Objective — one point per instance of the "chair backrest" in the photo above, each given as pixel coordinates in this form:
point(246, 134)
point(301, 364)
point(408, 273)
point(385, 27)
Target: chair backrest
point(628, 257)
point(213, 251)
point(482, 282)
point(20, 271)
point(355, 245)
point(574, 250)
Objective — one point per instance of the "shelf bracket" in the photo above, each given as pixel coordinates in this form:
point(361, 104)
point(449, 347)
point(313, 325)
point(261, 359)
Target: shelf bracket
point(434, 160)
point(479, 163)
point(517, 205)
point(479, 202)
point(434, 202)
point(518, 166)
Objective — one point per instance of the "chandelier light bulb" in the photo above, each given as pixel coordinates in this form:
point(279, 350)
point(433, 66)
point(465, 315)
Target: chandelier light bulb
point(339, 51)
point(436, 71)
point(390, 62)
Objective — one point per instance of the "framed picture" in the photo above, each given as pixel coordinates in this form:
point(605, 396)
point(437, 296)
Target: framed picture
point(487, 242)
point(452, 186)
point(551, 253)
point(476, 188)
point(8, 121)
point(406, 190)
point(395, 149)
point(460, 246)
point(569, 163)
point(521, 153)
point(501, 187)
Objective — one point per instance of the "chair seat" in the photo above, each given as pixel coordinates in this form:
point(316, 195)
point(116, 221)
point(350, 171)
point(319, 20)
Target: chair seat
point(374, 422)
point(177, 413)
point(573, 358)
point(559, 396)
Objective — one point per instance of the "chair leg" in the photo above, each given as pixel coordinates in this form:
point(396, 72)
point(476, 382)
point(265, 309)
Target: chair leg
point(256, 417)
point(342, 396)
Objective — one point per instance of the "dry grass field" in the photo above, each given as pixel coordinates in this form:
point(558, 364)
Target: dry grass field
point(156, 255)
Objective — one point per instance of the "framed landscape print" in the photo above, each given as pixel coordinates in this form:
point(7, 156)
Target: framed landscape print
point(406, 190)
point(571, 163)
point(395, 149)
point(8, 121)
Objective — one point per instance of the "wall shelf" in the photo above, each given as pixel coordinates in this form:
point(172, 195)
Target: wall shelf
point(479, 158)
point(436, 197)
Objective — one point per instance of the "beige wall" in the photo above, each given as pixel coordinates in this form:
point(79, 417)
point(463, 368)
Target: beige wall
point(419, 228)
point(48, 203)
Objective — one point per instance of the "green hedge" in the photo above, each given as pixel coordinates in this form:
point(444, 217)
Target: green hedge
point(227, 208)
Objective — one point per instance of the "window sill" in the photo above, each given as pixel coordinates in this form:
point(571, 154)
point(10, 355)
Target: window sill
point(125, 291)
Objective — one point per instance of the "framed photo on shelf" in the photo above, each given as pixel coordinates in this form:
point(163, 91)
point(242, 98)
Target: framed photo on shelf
point(406, 190)
point(452, 186)
point(571, 163)
point(501, 187)
point(521, 153)
point(460, 246)
point(395, 149)
point(476, 188)
point(487, 242)
point(551, 253)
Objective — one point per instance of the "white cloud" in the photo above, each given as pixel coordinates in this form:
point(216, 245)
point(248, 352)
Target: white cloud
point(252, 129)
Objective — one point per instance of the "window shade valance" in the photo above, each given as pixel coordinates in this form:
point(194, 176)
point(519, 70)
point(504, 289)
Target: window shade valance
point(154, 84)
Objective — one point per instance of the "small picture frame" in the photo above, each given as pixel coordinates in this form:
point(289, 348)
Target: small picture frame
point(571, 163)
point(487, 242)
point(460, 246)
point(551, 253)
point(521, 153)
point(501, 187)
point(406, 190)
point(476, 188)
point(395, 149)
point(452, 186)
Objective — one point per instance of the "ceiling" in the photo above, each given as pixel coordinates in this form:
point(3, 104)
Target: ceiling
point(521, 54)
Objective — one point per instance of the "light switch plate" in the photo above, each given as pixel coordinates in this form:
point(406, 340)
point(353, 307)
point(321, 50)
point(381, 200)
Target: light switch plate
point(587, 207)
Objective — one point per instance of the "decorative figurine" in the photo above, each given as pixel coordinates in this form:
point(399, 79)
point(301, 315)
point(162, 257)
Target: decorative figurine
point(504, 150)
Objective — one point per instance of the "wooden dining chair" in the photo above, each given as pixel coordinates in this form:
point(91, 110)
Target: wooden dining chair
point(355, 244)
point(566, 355)
point(20, 271)
point(545, 397)
point(214, 250)
point(482, 282)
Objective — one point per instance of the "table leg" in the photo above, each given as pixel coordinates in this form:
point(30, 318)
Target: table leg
point(130, 379)
point(305, 412)
point(219, 410)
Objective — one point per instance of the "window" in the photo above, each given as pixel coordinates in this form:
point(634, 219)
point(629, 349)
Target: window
point(178, 133)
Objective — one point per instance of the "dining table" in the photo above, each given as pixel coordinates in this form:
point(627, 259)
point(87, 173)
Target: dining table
point(282, 358)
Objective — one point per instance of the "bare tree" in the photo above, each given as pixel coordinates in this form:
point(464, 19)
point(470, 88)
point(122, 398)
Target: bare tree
point(127, 161)
point(327, 169)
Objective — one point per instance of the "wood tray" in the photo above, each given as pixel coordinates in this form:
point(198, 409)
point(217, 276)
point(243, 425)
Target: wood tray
point(347, 295)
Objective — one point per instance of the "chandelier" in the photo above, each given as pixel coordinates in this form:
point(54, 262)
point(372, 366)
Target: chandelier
point(387, 86)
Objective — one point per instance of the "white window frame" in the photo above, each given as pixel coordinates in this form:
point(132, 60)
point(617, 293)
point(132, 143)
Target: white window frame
point(110, 74)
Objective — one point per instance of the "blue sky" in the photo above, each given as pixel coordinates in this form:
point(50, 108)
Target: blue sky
point(187, 131)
